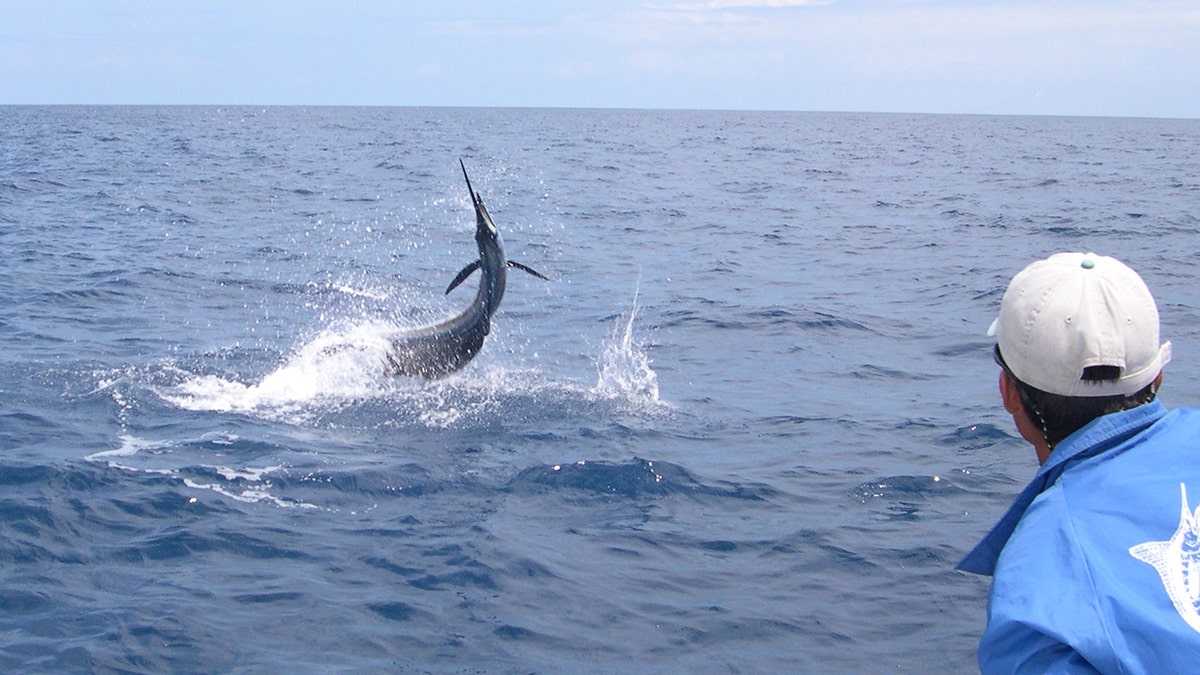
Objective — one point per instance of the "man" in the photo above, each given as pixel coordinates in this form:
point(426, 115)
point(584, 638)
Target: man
point(1096, 566)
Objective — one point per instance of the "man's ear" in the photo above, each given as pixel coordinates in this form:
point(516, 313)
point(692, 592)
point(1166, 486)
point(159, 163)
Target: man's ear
point(1029, 430)
point(1010, 394)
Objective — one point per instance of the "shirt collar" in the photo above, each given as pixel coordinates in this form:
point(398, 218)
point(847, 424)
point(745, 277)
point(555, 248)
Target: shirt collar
point(1092, 439)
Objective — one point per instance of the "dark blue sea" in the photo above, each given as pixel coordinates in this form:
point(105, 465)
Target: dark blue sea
point(749, 425)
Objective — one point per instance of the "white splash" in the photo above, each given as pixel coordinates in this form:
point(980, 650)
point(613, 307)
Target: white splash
point(624, 368)
point(368, 293)
point(339, 364)
point(345, 367)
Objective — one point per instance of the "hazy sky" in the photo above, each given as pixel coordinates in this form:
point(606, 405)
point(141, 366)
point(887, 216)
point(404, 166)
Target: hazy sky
point(1072, 57)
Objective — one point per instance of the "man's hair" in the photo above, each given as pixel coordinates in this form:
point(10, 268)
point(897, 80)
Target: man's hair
point(1060, 416)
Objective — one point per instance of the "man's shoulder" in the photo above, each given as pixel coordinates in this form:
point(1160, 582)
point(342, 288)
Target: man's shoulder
point(1124, 490)
point(1181, 416)
point(1111, 501)
point(1113, 543)
point(1177, 431)
point(1145, 436)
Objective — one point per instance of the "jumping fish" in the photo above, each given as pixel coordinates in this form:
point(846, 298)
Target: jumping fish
point(435, 351)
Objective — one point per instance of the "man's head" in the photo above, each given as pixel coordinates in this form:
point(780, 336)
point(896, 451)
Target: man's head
point(1081, 331)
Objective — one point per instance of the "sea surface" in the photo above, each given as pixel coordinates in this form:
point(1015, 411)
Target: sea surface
point(749, 425)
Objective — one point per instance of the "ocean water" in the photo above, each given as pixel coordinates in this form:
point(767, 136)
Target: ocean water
point(749, 425)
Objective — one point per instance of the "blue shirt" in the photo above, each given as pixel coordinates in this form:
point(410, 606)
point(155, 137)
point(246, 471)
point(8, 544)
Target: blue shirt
point(1096, 566)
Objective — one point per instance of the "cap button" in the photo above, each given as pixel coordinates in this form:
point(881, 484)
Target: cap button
point(1087, 263)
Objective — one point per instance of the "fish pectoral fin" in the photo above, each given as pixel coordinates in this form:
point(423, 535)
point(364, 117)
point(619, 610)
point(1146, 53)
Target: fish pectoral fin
point(462, 276)
point(526, 268)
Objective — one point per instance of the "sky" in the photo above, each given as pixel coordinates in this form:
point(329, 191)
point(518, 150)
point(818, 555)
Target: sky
point(1132, 58)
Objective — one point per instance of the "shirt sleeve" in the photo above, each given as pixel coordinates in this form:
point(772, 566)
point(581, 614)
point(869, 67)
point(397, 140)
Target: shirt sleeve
point(1043, 616)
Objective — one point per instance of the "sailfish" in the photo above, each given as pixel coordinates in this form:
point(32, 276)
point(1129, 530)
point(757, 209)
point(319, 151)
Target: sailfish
point(435, 351)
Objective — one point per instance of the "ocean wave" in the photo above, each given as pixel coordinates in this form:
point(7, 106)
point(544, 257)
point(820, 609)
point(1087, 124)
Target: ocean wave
point(214, 463)
point(975, 437)
point(634, 479)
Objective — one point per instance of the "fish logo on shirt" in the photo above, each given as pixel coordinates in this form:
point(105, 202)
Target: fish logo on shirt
point(1178, 563)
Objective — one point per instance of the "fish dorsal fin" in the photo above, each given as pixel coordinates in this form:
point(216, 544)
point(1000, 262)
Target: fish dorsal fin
point(462, 276)
point(526, 268)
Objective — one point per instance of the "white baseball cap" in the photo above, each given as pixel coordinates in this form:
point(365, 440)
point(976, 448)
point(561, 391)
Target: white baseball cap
point(1073, 311)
